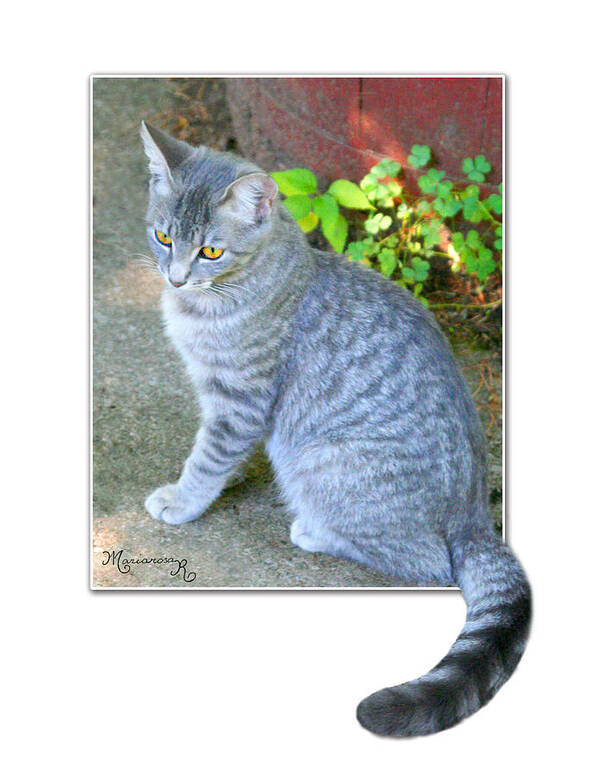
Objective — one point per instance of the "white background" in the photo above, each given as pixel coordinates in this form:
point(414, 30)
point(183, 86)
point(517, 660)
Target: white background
point(229, 683)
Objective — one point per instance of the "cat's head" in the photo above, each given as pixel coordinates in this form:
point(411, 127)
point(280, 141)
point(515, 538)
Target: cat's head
point(209, 212)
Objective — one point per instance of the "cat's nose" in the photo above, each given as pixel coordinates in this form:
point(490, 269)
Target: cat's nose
point(178, 276)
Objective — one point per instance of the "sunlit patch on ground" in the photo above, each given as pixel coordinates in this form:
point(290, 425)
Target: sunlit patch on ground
point(134, 287)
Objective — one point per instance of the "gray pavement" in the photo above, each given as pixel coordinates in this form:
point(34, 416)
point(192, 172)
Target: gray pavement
point(145, 415)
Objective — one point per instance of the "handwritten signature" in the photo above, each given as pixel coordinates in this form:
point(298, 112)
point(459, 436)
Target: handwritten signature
point(124, 564)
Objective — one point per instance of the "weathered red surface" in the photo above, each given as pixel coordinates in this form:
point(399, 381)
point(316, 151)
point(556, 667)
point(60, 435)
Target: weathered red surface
point(340, 127)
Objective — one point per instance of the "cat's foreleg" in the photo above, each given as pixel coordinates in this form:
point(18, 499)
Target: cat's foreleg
point(219, 452)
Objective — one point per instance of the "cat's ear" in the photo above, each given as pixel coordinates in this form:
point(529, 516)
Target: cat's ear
point(165, 154)
point(251, 197)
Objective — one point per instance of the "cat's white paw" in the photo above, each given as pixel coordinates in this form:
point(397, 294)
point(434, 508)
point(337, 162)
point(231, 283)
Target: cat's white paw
point(169, 505)
point(300, 537)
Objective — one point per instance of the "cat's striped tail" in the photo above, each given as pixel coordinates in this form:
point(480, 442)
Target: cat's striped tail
point(483, 657)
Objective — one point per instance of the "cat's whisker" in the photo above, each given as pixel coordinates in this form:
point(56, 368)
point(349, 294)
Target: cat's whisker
point(225, 293)
point(233, 286)
point(219, 290)
point(212, 290)
point(149, 268)
point(142, 263)
point(136, 256)
point(145, 262)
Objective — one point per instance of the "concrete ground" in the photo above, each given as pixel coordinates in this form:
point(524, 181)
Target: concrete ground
point(144, 412)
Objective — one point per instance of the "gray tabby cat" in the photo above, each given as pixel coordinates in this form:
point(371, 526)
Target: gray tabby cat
point(368, 423)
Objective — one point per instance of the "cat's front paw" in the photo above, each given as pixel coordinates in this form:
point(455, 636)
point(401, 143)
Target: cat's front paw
point(171, 506)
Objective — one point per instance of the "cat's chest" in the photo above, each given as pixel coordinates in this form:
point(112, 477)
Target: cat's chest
point(210, 346)
point(201, 342)
point(232, 359)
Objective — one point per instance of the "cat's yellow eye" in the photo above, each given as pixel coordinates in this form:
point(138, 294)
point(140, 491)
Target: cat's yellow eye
point(163, 238)
point(211, 253)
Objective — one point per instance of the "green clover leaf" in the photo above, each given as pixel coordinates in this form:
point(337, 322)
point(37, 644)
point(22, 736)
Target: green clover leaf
point(444, 189)
point(472, 210)
point(420, 268)
point(457, 239)
point(420, 156)
point(387, 261)
point(362, 249)
point(369, 182)
point(481, 164)
point(470, 260)
point(377, 223)
point(473, 239)
point(498, 244)
point(355, 251)
point(476, 168)
point(495, 203)
point(381, 194)
point(386, 168)
point(475, 175)
point(486, 265)
point(447, 208)
point(428, 183)
point(431, 231)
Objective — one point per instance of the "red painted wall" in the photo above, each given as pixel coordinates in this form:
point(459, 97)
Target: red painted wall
point(340, 127)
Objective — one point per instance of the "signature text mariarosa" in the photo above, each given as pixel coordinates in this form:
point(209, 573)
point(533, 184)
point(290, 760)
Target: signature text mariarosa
point(124, 564)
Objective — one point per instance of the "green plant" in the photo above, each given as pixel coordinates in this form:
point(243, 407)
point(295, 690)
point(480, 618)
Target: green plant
point(309, 207)
point(401, 234)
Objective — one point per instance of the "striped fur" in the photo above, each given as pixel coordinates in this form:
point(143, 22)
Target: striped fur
point(349, 383)
point(481, 660)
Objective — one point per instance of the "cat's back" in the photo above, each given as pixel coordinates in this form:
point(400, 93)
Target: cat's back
point(348, 290)
point(370, 359)
point(354, 314)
